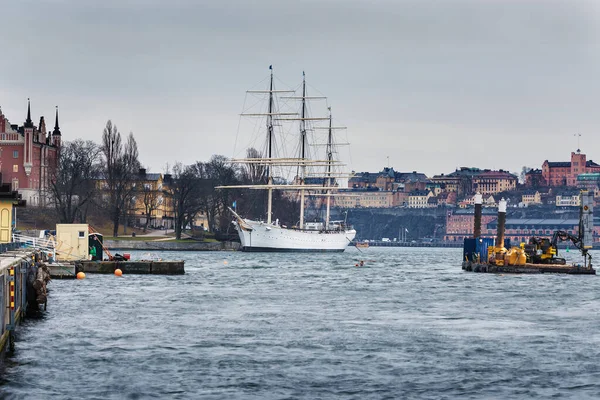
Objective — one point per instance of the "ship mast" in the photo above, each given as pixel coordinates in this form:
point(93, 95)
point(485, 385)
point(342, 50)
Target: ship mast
point(303, 148)
point(270, 149)
point(329, 162)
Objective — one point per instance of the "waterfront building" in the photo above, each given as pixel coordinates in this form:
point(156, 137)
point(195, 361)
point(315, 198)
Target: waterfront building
point(464, 178)
point(447, 198)
point(399, 198)
point(364, 198)
point(149, 201)
point(362, 180)
point(9, 199)
point(419, 199)
point(388, 180)
point(450, 183)
point(535, 178)
point(28, 153)
point(565, 173)
point(467, 181)
point(435, 187)
point(589, 181)
point(568, 199)
point(459, 223)
point(530, 197)
point(493, 182)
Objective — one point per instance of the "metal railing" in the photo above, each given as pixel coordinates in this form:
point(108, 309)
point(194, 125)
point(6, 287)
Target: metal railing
point(47, 245)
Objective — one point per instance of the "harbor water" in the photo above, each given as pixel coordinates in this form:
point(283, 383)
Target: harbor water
point(409, 324)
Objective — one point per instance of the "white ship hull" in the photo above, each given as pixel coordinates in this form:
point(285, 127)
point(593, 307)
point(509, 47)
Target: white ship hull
point(259, 236)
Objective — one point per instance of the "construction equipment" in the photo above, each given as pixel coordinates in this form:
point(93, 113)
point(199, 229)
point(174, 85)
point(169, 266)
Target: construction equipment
point(545, 251)
point(541, 250)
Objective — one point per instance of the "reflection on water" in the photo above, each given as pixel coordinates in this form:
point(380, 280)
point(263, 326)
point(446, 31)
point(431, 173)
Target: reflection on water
point(409, 324)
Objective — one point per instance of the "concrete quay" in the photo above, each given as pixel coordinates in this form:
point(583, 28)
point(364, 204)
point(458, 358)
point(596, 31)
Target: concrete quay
point(132, 267)
point(171, 246)
point(15, 266)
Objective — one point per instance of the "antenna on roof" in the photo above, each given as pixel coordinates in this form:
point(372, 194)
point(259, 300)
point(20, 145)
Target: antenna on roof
point(578, 135)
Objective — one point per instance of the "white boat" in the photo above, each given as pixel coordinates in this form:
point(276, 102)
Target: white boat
point(269, 235)
point(262, 236)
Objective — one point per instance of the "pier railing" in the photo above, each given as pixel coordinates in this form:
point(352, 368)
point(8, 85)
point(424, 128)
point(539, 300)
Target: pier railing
point(47, 245)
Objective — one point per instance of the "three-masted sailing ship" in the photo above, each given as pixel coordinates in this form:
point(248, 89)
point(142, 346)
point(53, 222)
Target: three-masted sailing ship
point(315, 177)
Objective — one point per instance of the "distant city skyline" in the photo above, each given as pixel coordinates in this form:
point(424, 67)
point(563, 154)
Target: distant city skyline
point(435, 86)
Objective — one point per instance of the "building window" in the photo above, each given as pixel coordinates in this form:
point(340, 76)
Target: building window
point(81, 234)
point(15, 153)
point(15, 184)
point(15, 168)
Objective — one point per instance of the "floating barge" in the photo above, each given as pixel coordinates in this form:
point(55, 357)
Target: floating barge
point(132, 267)
point(539, 256)
point(528, 269)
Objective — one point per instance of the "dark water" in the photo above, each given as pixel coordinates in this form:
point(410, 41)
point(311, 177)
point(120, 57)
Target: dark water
point(410, 324)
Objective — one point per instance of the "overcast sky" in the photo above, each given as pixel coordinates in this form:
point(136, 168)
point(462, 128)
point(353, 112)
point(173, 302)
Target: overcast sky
point(434, 85)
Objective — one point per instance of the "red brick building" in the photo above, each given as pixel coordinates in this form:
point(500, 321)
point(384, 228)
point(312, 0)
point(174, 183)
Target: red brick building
point(460, 223)
point(27, 154)
point(565, 173)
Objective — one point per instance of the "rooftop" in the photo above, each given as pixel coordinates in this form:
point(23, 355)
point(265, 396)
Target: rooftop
point(559, 164)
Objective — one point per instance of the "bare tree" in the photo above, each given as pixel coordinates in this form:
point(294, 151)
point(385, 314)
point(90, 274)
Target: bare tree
point(254, 172)
point(523, 174)
point(218, 172)
point(72, 184)
point(184, 192)
point(120, 169)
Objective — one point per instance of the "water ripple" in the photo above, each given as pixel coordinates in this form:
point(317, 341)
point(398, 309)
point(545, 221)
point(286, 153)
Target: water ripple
point(409, 324)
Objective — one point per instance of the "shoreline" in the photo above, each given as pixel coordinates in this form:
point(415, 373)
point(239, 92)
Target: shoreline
point(171, 246)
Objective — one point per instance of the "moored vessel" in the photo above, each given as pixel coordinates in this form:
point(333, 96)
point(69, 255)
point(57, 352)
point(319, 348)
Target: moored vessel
point(270, 235)
point(539, 255)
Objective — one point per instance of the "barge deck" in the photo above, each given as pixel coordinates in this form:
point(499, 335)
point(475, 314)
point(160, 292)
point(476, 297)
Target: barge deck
point(528, 269)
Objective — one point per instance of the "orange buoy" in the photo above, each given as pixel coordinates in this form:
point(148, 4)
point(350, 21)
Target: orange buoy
point(80, 275)
point(118, 272)
point(225, 262)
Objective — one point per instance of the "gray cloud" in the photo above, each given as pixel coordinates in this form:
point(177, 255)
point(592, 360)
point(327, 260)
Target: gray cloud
point(432, 84)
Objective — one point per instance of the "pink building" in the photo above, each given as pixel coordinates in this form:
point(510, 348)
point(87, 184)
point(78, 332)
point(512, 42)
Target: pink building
point(27, 154)
point(565, 173)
